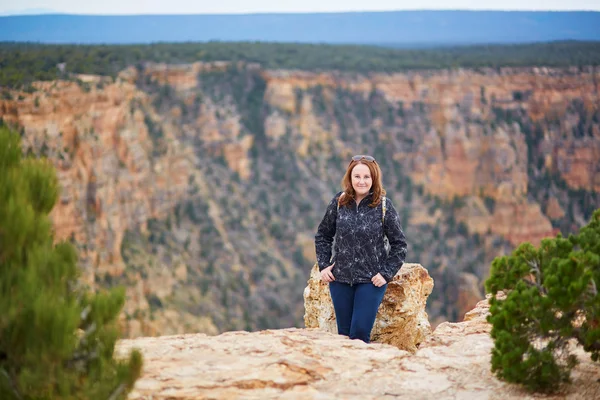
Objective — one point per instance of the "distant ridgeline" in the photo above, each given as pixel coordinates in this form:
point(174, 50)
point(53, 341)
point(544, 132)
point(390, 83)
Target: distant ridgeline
point(23, 63)
point(395, 27)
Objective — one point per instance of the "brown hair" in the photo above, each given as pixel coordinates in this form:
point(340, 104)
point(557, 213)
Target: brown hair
point(376, 188)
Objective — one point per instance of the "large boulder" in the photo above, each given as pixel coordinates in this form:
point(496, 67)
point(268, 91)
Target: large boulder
point(401, 320)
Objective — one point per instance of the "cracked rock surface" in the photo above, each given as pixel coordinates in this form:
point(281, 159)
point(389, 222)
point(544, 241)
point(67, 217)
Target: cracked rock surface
point(453, 363)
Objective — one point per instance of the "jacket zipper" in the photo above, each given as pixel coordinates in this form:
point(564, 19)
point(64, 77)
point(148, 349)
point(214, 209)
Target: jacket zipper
point(352, 270)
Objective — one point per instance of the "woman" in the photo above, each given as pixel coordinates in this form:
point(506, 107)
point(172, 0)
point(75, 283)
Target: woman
point(361, 268)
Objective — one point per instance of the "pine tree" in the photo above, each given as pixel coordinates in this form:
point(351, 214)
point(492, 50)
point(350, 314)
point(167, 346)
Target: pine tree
point(56, 337)
point(551, 299)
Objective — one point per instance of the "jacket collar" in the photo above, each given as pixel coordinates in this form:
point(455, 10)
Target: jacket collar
point(367, 197)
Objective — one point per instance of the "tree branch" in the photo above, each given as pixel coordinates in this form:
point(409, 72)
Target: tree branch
point(593, 288)
point(85, 312)
point(535, 268)
point(541, 289)
point(118, 391)
point(12, 384)
point(91, 329)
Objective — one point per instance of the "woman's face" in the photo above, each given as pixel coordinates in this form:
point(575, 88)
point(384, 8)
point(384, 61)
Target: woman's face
point(361, 179)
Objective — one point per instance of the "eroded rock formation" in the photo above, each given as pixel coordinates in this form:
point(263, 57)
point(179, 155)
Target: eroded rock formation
point(401, 320)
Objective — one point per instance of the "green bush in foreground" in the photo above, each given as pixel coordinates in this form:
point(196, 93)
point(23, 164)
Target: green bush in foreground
point(551, 299)
point(56, 338)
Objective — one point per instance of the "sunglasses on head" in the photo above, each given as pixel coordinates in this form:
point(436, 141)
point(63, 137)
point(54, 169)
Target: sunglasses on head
point(363, 157)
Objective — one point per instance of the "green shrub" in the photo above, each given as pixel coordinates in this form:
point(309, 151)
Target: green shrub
point(56, 337)
point(551, 298)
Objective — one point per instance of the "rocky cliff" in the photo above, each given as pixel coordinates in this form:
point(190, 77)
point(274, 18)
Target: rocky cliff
point(200, 186)
point(453, 363)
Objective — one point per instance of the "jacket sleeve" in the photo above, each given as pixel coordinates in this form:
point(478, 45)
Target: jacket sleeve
point(325, 234)
point(398, 247)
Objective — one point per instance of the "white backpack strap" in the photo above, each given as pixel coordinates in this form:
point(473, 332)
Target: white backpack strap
point(384, 208)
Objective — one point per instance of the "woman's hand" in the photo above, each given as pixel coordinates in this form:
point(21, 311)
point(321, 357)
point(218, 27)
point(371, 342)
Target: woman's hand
point(327, 275)
point(378, 280)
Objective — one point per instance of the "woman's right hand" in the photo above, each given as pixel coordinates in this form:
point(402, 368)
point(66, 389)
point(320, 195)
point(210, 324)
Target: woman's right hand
point(327, 275)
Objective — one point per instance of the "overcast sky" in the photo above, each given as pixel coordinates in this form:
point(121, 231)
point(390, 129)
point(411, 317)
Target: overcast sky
point(254, 6)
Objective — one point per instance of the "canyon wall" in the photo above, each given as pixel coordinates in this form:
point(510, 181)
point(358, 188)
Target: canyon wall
point(200, 186)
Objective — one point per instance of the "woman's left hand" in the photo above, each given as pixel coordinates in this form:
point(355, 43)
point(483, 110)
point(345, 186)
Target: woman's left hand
point(378, 280)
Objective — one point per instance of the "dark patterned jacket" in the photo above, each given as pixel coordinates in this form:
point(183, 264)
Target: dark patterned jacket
point(359, 247)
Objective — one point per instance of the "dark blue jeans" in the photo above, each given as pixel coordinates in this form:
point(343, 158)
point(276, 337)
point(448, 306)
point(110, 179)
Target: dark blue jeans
point(356, 308)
